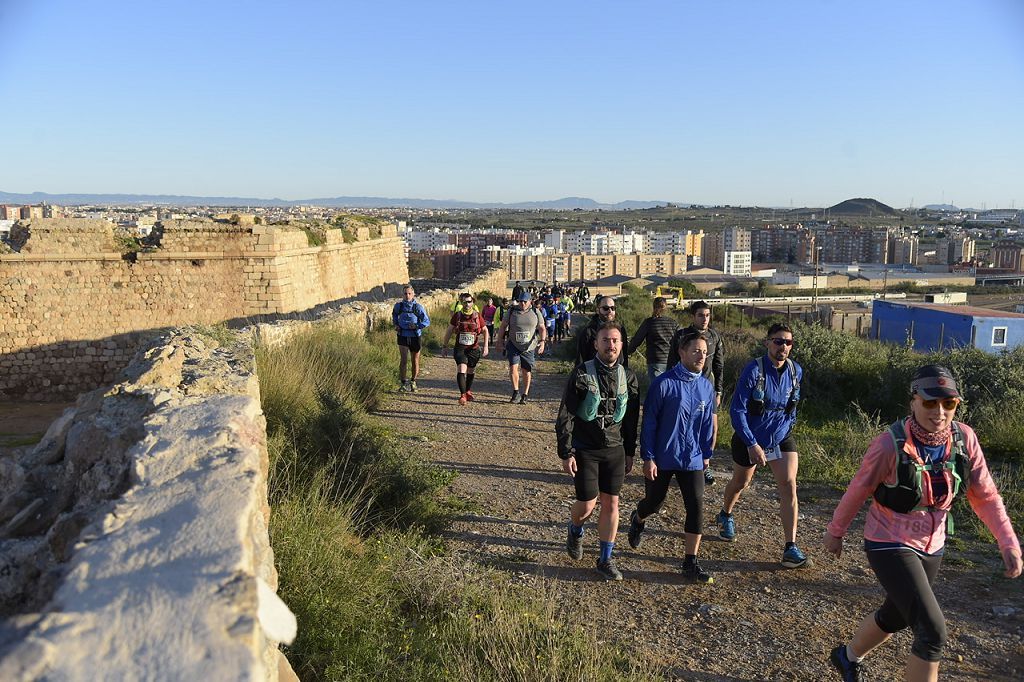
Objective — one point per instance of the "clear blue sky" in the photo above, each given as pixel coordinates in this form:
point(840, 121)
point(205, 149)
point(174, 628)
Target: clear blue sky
point(741, 102)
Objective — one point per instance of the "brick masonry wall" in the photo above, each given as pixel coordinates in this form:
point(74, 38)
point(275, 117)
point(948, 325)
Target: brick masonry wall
point(73, 309)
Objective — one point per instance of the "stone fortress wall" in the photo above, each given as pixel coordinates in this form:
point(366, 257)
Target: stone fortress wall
point(134, 537)
point(74, 308)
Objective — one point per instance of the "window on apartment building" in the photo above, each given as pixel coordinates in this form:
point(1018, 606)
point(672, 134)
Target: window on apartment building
point(999, 336)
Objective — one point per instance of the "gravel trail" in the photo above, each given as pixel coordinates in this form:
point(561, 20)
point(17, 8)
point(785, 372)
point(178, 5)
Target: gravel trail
point(758, 620)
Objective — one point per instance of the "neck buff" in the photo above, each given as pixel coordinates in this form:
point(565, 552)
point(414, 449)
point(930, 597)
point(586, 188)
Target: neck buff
point(687, 374)
point(927, 437)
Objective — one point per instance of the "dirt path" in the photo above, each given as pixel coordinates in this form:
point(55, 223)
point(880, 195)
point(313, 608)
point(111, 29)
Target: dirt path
point(757, 621)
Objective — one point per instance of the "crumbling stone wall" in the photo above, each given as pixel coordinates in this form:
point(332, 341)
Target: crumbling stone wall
point(135, 534)
point(133, 538)
point(73, 309)
point(360, 317)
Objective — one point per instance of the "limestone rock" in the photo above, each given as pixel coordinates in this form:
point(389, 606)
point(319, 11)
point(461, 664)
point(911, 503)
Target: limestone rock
point(20, 562)
point(65, 532)
point(51, 448)
point(12, 477)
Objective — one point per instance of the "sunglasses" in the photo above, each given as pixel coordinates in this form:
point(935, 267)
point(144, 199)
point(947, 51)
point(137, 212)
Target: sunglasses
point(782, 342)
point(947, 403)
point(607, 307)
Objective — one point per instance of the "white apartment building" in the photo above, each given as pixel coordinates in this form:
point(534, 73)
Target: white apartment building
point(666, 242)
point(737, 263)
point(626, 242)
point(554, 239)
point(590, 243)
point(427, 240)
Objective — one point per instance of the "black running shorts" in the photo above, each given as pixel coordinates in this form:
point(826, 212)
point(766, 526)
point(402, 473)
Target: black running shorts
point(467, 356)
point(410, 342)
point(742, 457)
point(599, 471)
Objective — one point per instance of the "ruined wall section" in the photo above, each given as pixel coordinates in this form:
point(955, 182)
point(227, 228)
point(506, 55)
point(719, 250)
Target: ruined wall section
point(136, 532)
point(74, 308)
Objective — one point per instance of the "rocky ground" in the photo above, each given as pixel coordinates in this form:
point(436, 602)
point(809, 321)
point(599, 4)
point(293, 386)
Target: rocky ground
point(758, 620)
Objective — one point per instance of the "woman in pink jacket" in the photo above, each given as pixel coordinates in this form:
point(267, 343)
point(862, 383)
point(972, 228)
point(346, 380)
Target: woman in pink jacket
point(914, 471)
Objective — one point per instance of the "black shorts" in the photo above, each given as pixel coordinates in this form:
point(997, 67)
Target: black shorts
point(410, 342)
point(467, 356)
point(599, 471)
point(742, 457)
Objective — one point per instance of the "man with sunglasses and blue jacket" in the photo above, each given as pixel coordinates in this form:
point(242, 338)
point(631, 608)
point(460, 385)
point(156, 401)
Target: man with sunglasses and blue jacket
point(763, 413)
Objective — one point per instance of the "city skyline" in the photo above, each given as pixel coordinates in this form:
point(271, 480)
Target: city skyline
point(742, 104)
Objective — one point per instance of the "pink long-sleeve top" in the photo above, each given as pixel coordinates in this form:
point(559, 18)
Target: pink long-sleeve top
point(923, 530)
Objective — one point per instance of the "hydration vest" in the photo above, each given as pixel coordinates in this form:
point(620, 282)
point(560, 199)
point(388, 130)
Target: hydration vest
point(407, 317)
point(907, 493)
point(588, 408)
point(468, 328)
point(755, 405)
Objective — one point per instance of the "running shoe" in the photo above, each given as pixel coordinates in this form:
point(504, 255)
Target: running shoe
point(515, 397)
point(469, 396)
point(573, 543)
point(636, 530)
point(608, 569)
point(522, 399)
point(794, 558)
point(726, 526)
point(847, 668)
point(463, 399)
point(404, 387)
point(412, 386)
point(694, 573)
point(709, 478)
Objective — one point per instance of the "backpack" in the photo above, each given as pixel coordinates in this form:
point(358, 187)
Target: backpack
point(408, 320)
point(587, 410)
point(906, 493)
point(755, 405)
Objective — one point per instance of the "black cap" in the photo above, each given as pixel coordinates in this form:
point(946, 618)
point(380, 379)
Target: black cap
point(934, 381)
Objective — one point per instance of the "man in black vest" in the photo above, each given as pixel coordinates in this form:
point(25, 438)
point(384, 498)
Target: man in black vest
point(597, 429)
point(586, 337)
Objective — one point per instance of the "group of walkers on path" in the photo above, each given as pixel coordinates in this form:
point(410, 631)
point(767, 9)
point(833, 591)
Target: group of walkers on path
point(914, 470)
point(679, 428)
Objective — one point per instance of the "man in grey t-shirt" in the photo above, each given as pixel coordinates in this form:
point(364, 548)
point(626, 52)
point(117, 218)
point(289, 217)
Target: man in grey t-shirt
point(524, 330)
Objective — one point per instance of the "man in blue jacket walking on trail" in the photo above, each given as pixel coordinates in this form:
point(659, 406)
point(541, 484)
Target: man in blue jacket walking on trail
point(410, 319)
point(763, 413)
point(675, 440)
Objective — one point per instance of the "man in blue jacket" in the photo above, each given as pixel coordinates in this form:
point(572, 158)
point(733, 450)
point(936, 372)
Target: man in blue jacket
point(675, 440)
point(410, 319)
point(763, 413)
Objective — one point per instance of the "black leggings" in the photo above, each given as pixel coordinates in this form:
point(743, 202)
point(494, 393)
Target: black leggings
point(691, 484)
point(909, 601)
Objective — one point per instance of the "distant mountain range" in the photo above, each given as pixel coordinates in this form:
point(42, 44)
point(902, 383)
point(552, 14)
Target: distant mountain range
point(333, 202)
point(941, 207)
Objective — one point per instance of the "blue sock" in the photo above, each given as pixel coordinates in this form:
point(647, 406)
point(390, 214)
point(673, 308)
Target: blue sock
point(606, 550)
point(577, 531)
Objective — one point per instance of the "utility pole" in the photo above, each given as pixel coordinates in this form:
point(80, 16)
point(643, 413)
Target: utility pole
point(814, 283)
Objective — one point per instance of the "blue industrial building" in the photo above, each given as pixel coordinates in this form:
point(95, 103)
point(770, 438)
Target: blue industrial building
point(930, 326)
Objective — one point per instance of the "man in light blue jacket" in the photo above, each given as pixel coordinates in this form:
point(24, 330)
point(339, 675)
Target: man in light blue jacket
point(410, 319)
point(675, 440)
